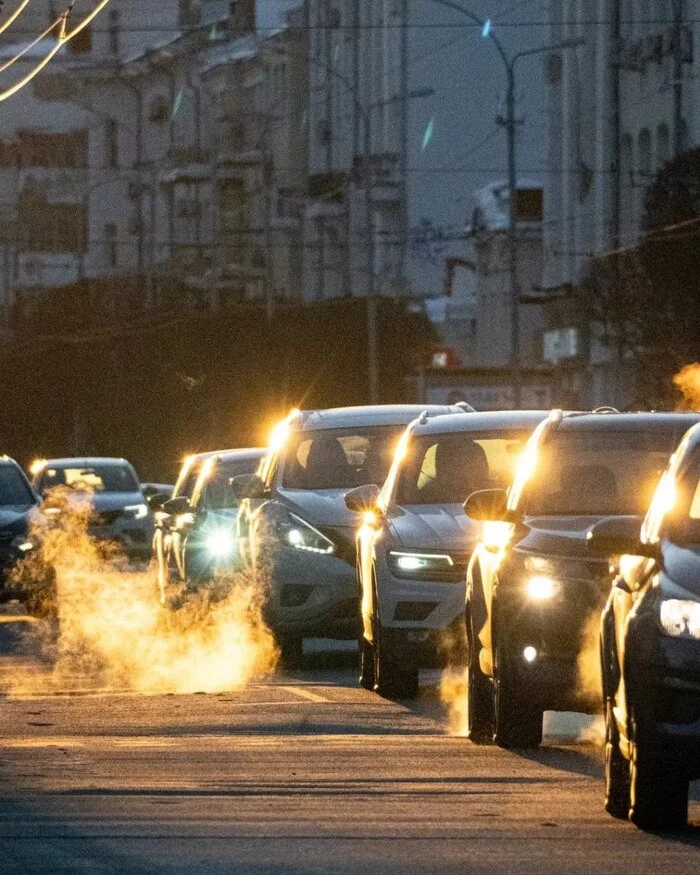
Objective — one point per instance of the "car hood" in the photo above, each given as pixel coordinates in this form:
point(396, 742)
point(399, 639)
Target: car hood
point(325, 507)
point(14, 520)
point(434, 526)
point(106, 501)
point(557, 535)
point(681, 569)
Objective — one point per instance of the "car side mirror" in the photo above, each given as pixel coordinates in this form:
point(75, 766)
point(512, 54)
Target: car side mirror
point(363, 498)
point(487, 506)
point(619, 536)
point(177, 506)
point(156, 502)
point(248, 486)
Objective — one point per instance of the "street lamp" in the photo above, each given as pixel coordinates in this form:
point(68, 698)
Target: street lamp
point(510, 123)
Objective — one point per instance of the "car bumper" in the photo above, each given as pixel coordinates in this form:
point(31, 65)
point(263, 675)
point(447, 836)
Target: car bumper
point(134, 538)
point(311, 595)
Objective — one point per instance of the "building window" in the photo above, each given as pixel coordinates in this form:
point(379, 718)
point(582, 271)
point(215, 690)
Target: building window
point(52, 150)
point(111, 251)
point(111, 143)
point(81, 42)
point(645, 166)
point(663, 145)
point(627, 159)
point(114, 32)
point(46, 227)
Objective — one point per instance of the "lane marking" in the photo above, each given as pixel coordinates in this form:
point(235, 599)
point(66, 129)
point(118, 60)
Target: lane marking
point(306, 694)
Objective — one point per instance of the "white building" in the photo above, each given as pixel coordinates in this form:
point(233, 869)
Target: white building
point(619, 107)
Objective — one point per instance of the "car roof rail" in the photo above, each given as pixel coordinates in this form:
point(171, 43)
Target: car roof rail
point(605, 409)
point(464, 407)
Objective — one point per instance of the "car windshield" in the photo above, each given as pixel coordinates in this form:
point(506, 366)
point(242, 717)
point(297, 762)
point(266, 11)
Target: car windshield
point(219, 494)
point(90, 478)
point(340, 458)
point(588, 473)
point(447, 468)
point(686, 522)
point(14, 491)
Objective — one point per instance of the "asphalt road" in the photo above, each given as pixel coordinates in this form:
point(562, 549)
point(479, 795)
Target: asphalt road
point(298, 773)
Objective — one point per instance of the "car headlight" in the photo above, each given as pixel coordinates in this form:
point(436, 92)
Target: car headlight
point(138, 511)
point(220, 543)
point(541, 588)
point(680, 618)
point(296, 532)
point(409, 564)
point(23, 545)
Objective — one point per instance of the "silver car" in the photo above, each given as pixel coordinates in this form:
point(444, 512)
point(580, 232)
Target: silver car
point(294, 528)
point(415, 541)
point(119, 511)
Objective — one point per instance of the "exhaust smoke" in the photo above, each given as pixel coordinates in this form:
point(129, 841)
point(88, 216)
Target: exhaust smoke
point(113, 633)
point(453, 695)
point(687, 380)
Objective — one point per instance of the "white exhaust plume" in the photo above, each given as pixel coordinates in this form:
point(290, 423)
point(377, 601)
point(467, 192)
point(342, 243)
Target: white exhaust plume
point(113, 633)
point(688, 381)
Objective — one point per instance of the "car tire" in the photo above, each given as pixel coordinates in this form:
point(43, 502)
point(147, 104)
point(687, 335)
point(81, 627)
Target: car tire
point(617, 769)
point(392, 680)
point(658, 797)
point(517, 722)
point(366, 664)
point(291, 651)
point(479, 694)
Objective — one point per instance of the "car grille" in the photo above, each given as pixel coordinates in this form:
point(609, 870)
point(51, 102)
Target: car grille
point(104, 517)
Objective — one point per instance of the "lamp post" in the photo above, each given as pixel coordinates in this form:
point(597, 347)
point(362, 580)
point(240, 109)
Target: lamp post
point(510, 123)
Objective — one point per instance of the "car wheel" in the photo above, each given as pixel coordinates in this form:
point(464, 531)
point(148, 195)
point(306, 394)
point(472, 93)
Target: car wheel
point(479, 694)
point(366, 664)
point(658, 797)
point(392, 680)
point(617, 769)
point(517, 721)
point(291, 651)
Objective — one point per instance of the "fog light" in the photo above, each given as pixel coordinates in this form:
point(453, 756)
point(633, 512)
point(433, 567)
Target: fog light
point(542, 589)
point(530, 654)
point(220, 544)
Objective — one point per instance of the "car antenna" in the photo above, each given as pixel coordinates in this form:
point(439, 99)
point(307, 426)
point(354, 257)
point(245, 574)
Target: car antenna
point(466, 408)
point(423, 417)
point(606, 409)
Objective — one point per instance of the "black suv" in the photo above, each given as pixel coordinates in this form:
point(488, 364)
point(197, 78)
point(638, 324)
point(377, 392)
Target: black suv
point(18, 505)
point(650, 649)
point(533, 588)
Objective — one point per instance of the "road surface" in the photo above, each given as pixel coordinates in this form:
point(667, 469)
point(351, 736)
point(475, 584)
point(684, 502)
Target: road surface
point(298, 773)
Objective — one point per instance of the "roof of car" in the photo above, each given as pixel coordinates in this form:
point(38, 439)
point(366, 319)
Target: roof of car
point(388, 414)
point(6, 460)
point(231, 455)
point(84, 462)
point(501, 419)
point(611, 421)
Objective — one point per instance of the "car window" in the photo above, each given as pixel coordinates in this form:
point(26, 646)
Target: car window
point(14, 489)
point(90, 478)
point(339, 458)
point(601, 473)
point(187, 480)
point(216, 493)
point(447, 468)
point(685, 516)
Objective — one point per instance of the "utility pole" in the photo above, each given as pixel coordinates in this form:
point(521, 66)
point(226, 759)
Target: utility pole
point(514, 284)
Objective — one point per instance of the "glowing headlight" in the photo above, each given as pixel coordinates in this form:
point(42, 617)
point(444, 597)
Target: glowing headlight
point(220, 543)
point(410, 564)
point(23, 545)
point(139, 511)
point(680, 618)
point(542, 589)
point(301, 535)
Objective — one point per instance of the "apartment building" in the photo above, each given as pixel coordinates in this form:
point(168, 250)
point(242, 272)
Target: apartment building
point(619, 107)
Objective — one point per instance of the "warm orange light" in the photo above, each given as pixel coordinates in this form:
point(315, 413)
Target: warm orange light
point(402, 447)
point(369, 518)
point(496, 536)
point(37, 467)
point(280, 433)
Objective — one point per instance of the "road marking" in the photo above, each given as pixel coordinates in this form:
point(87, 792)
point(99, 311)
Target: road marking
point(307, 694)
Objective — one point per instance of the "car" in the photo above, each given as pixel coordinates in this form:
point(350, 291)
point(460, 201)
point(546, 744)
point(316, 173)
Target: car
point(534, 591)
point(119, 510)
point(296, 533)
point(415, 541)
point(650, 650)
point(161, 489)
point(195, 529)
